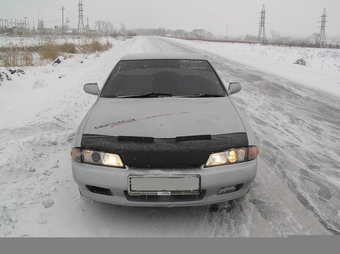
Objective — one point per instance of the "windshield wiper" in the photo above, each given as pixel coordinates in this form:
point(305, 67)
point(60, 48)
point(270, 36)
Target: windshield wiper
point(203, 95)
point(146, 95)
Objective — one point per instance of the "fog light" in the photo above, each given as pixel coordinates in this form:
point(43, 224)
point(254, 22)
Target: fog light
point(227, 190)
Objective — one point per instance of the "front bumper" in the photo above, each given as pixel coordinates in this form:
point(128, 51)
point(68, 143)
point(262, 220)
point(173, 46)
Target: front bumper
point(110, 185)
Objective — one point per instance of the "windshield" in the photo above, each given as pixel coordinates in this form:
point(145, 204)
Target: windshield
point(162, 78)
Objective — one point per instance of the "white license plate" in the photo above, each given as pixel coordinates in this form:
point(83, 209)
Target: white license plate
point(164, 185)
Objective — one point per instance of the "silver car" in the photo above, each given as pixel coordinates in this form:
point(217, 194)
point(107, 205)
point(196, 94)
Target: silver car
point(164, 132)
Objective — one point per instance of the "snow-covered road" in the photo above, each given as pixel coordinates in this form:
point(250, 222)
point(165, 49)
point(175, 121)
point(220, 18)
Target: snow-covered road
point(296, 191)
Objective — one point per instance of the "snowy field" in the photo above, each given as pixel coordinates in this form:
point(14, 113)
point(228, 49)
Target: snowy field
point(321, 72)
point(41, 109)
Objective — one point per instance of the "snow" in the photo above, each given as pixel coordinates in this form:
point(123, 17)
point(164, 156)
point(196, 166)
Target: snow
point(41, 110)
point(321, 71)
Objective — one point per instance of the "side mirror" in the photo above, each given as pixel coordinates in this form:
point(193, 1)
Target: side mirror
point(91, 88)
point(234, 87)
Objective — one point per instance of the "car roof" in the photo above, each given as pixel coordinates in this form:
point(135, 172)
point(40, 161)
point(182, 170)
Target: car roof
point(163, 56)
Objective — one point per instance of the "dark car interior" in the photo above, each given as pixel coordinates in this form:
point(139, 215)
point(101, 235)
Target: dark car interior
point(163, 77)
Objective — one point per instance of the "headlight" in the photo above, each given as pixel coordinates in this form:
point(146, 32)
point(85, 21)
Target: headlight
point(97, 158)
point(232, 156)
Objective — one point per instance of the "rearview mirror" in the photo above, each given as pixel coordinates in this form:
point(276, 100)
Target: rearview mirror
point(91, 88)
point(234, 87)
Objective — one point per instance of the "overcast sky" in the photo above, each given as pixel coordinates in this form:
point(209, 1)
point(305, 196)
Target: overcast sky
point(221, 17)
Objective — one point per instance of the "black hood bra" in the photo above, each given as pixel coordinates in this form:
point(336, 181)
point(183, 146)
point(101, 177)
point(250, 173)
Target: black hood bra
point(179, 152)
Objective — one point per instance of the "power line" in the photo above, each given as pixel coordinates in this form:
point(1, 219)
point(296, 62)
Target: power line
point(62, 22)
point(262, 31)
point(81, 16)
point(322, 35)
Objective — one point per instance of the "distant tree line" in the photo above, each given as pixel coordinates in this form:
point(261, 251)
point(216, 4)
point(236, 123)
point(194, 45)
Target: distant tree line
point(107, 28)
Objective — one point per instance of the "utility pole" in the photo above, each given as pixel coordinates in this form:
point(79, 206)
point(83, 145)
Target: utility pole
point(261, 38)
point(81, 15)
point(87, 26)
point(322, 35)
point(62, 21)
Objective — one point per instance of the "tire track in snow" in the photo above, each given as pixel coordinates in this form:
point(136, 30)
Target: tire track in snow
point(298, 131)
point(235, 72)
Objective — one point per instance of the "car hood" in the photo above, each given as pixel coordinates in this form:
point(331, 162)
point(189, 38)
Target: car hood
point(163, 117)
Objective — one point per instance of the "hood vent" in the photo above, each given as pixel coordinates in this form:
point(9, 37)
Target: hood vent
point(135, 139)
point(190, 138)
